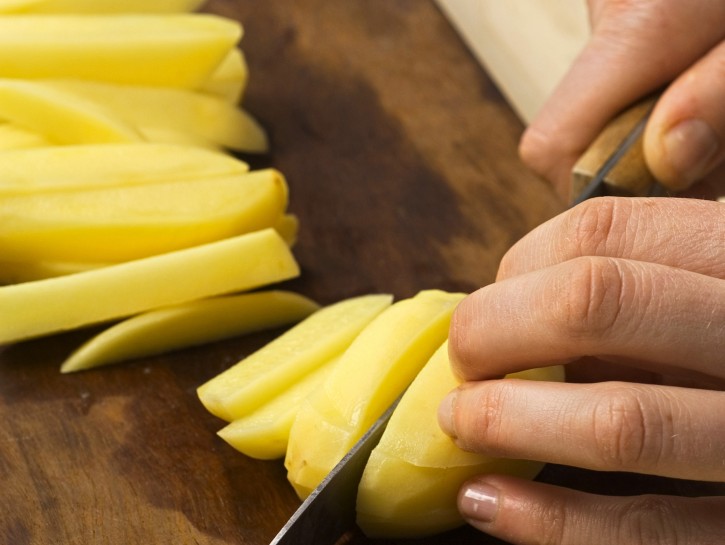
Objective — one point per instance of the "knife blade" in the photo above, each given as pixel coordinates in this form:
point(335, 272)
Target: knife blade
point(329, 511)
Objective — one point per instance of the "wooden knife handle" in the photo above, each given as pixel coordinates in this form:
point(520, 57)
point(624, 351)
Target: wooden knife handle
point(629, 174)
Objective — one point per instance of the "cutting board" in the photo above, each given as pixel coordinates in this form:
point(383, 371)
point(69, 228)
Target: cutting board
point(400, 153)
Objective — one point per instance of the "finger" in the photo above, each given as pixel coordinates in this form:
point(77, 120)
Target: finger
point(684, 233)
point(634, 50)
point(685, 137)
point(647, 313)
point(614, 426)
point(528, 513)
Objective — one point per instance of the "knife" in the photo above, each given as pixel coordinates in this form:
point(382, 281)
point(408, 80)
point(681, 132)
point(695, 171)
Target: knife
point(613, 165)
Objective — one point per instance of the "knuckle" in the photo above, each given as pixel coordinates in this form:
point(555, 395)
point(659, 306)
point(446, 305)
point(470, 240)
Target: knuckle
point(651, 520)
point(485, 432)
point(589, 304)
point(552, 521)
point(627, 430)
point(597, 224)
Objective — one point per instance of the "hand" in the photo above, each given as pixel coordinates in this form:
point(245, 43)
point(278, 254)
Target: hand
point(637, 47)
point(617, 289)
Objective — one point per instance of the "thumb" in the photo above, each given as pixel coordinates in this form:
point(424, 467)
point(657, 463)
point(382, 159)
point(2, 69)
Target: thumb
point(636, 47)
point(685, 137)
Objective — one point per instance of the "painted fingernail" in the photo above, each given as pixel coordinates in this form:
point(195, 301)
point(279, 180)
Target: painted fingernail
point(690, 147)
point(445, 414)
point(479, 502)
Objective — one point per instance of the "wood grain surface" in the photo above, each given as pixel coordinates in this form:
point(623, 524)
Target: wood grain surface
point(401, 159)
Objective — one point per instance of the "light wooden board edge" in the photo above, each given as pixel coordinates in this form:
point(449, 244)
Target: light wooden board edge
point(526, 46)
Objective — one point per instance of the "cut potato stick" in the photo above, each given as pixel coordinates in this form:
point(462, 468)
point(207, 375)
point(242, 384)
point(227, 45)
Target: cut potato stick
point(13, 137)
point(27, 271)
point(411, 481)
point(242, 263)
point(98, 6)
point(158, 112)
point(247, 385)
point(122, 223)
point(229, 80)
point(264, 433)
point(176, 50)
point(92, 166)
point(59, 116)
point(373, 372)
point(190, 324)
point(288, 226)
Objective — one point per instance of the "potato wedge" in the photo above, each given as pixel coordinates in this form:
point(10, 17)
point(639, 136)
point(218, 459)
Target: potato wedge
point(48, 306)
point(116, 224)
point(372, 373)
point(92, 166)
point(61, 117)
point(164, 114)
point(264, 433)
point(172, 50)
point(411, 481)
point(256, 379)
point(229, 80)
point(190, 324)
point(14, 137)
point(98, 6)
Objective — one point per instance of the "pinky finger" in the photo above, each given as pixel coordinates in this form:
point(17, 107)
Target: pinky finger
point(530, 513)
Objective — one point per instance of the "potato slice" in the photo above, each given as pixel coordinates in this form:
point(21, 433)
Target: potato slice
point(98, 6)
point(121, 223)
point(241, 263)
point(372, 373)
point(189, 324)
point(229, 80)
point(175, 50)
point(165, 114)
point(59, 116)
point(250, 383)
point(264, 433)
point(92, 166)
point(412, 478)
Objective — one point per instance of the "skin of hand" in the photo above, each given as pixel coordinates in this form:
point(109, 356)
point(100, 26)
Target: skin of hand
point(638, 47)
point(629, 294)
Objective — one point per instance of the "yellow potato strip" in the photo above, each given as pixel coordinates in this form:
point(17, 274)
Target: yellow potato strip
point(249, 261)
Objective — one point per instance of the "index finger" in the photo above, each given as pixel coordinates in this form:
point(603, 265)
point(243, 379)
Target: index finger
point(684, 233)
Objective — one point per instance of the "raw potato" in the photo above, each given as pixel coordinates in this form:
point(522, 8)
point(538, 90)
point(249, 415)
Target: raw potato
point(411, 481)
point(98, 6)
point(264, 433)
point(229, 80)
point(116, 224)
point(190, 324)
point(172, 115)
point(59, 116)
point(28, 271)
point(373, 372)
point(176, 50)
point(242, 263)
point(13, 137)
point(250, 383)
point(93, 166)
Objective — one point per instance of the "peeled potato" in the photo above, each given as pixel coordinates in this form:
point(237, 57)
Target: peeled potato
point(48, 306)
point(411, 481)
point(174, 50)
point(98, 6)
point(371, 374)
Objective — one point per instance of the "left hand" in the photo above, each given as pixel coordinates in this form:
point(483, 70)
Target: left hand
point(631, 290)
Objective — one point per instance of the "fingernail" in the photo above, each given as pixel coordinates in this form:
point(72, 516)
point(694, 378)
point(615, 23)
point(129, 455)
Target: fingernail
point(479, 502)
point(445, 414)
point(690, 146)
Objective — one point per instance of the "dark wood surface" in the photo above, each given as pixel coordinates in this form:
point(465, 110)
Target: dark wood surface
point(401, 159)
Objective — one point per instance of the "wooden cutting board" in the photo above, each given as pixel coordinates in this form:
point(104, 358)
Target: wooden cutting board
point(401, 158)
